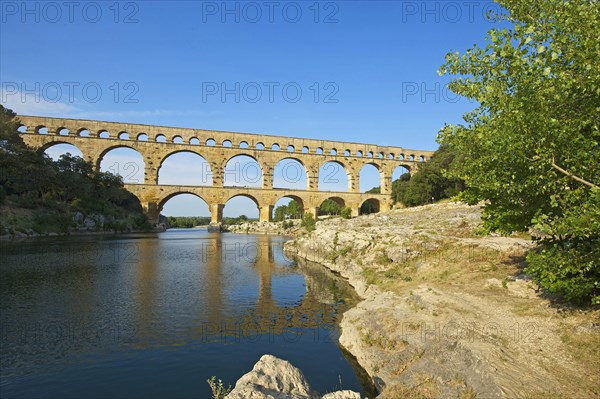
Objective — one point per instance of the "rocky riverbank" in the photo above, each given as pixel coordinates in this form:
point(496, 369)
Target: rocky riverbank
point(449, 313)
point(21, 223)
point(287, 228)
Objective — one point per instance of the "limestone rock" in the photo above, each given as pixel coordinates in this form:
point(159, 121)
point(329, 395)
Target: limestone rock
point(342, 395)
point(272, 378)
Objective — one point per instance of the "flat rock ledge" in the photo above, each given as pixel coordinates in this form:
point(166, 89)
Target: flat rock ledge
point(274, 378)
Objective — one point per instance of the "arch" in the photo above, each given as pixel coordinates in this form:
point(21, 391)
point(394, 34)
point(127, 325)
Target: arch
point(242, 170)
point(182, 206)
point(227, 143)
point(327, 208)
point(371, 205)
point(319, 151)
point(243, 144)
point(103, 134)
point(260, 146)
point(291, 148)
point(290, 173)
point(194, 141)
point(41, 129)
point(399, 171)
point(177, 140)
point(184, 167)
point(401, 157)
point(333, 151)
point(55, 149)
point(62, 131)
point(369, 177)
point(381, 155)
point(305, 150)
point(411, 157)
point(275, 147)
point(347, 153)
point(124, 161)
point(142, 137)
point(210, 142)
point(123, 136)
point(370, 154)
point(22, 128)
point(390, 156)
point(160, 138)
point(421, 158)
point(296, 213)
point(238, 205)
point(333, 176)
point(83, 132)
point(359, 153)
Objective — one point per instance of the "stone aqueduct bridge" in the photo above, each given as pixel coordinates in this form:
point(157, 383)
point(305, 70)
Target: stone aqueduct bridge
point(155, 143)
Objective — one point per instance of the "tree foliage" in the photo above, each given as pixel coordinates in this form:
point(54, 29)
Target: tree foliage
point(293, 210)
point(329, 207)
point(430, 183)
point(531, 147)
point(29, 179)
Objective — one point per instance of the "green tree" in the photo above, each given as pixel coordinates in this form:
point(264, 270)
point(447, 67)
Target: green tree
point(280, 213)
point(9, 123)
point(329, 207)
point(531, 148)
point(294, 210)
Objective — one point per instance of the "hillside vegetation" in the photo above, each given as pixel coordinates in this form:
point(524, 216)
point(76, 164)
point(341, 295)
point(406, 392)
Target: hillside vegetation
point(40, 196)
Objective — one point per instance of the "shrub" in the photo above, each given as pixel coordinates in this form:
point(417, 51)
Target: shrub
point(346, 212)
point(309, 222)
point(568, 269)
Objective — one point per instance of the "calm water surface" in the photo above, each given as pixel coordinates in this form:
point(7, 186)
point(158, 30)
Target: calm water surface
point(155, 315)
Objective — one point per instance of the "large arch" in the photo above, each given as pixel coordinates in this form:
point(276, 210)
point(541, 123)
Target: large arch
point(323, 210)
point(184, 204)
point(333, 176)
point(369, 177)
point(290, 173)
point(371, 205)
point(242, 170)
point(55, 149)
point(399, 171)
point(285, 201)
point(184, 167)
point(241, 204)
point(124, 161)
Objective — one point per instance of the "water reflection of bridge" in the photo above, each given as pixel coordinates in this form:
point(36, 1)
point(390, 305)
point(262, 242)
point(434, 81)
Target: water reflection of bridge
point(324, 298)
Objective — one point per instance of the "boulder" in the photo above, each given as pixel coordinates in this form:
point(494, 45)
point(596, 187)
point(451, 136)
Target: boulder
point(274, 378)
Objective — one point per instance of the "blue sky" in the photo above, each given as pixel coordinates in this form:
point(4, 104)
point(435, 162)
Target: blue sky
point(345, 70)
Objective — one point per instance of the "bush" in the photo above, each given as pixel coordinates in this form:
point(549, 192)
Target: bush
point(568, 269)
point(51, 223)
point(346, 212)
point(309, 222)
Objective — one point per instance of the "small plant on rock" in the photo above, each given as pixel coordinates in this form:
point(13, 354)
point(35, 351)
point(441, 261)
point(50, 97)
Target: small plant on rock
point(219, 391)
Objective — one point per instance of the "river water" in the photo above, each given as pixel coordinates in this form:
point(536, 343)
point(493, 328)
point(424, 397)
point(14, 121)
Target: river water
point(156, 315)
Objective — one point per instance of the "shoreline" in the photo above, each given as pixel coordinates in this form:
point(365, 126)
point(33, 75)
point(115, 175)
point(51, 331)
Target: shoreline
point(436, 324)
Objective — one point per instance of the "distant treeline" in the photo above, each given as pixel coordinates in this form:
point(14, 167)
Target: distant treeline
point(188, 222)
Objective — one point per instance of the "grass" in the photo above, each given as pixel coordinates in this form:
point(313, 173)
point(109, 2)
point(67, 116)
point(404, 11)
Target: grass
point(379, 341)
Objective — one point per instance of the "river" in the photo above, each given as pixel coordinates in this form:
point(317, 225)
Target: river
point(155, 315)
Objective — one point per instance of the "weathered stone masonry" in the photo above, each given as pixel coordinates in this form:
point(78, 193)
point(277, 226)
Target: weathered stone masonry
point(96, 138)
